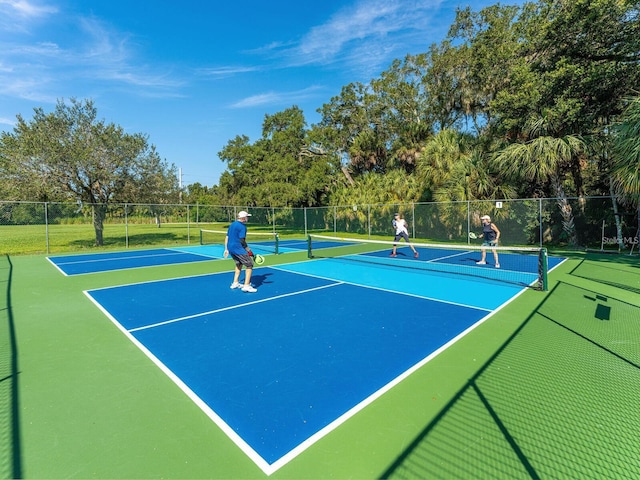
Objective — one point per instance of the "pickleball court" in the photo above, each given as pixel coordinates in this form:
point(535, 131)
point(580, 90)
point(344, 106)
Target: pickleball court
point(321, 339)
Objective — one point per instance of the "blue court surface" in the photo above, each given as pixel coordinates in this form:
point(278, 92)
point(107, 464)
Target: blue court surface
point(104, 262)
point(280, 368)
point(122, 260)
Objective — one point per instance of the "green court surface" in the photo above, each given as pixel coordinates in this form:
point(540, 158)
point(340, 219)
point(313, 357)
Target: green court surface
point(548, 387)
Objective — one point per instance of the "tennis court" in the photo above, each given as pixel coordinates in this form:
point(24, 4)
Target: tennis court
point(81, 264)
point(326, 338)
point(334, 368)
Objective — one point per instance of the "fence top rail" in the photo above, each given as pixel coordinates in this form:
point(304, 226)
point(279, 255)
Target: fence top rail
point(393, 204)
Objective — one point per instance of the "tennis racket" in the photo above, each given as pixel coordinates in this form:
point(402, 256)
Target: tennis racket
point(258, 259)
point(472, 235)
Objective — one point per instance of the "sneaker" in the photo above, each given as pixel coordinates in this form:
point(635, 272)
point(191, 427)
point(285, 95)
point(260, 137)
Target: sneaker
point(497, 265)
point(481, 263)
point(249, 289)
point(415, 254)
point(393, 255)
point(235, 285)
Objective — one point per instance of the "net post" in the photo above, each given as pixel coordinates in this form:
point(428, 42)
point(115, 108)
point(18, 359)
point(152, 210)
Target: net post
point(277, 243)
point(309, 253)
point(201, 237)
point(543, 269)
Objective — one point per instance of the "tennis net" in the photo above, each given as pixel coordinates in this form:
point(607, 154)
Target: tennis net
point(524, 266)
point(259, 242)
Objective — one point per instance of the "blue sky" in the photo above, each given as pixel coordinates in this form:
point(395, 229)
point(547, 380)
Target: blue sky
point(193, 74)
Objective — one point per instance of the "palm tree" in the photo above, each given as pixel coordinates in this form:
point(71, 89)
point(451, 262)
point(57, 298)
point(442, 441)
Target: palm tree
point(544, 159)
point(455, 168)
point(626, 163)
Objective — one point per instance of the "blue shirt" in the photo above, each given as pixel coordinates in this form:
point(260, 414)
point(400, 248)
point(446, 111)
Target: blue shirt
point(237, 230)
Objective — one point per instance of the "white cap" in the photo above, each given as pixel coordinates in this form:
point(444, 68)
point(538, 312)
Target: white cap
point(485, 216)
point(243, 214)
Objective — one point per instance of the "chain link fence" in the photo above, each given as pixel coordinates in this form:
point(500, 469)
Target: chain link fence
point(586, 222)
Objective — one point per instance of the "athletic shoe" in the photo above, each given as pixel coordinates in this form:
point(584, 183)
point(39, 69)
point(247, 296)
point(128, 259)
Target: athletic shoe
point(481, 263)
point(235, 285)
point(497, 265)
point(415, 254)
point(249, 289)
point(392, 255)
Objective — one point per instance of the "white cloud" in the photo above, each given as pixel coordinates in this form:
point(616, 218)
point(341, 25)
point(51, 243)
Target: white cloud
point(365, 35)
point(6, 121)
point(228, 71)
point(25, 8)
point(276, 98)
point(19, 15)
point(101, 57)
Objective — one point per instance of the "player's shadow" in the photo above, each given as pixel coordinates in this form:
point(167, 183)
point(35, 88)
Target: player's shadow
point(259, 279)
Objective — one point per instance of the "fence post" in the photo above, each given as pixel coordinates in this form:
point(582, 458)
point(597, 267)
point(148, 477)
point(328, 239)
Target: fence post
point(413, 220)
point(540, 219)
point(46, 225)
point(126, 225)
point(306, 230)
point(468, 221)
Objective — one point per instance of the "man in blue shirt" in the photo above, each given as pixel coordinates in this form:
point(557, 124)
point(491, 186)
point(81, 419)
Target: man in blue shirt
point(235, 243)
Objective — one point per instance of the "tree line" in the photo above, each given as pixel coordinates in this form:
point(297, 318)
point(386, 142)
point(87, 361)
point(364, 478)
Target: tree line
point(516, 102)
point(537, 100)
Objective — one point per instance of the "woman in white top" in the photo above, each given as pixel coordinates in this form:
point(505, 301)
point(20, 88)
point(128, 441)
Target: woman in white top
point(400, 224)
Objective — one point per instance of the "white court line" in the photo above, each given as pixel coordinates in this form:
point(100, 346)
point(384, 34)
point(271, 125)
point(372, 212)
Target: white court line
point(125, 258)
point(230, 432)
point(233, 307)
point(449, 256)
point(58, 267)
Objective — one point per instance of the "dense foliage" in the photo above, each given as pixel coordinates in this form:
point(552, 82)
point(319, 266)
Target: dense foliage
point(515, 102)
point(522, 101)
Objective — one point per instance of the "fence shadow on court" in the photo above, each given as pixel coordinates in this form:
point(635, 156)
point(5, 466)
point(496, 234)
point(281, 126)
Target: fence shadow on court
point(559, 399)
point(10, 450)
point(621, 271)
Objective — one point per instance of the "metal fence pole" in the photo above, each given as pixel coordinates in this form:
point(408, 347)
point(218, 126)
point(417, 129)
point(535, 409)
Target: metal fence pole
point(46, 225)
point(468, 221)
point(413, 220)
point(126, 225)
point(306, 230)
point(540, 219)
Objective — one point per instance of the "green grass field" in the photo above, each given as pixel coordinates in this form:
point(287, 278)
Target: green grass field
point(549, 387)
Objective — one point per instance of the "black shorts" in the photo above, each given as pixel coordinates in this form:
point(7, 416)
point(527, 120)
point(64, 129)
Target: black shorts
point(401, 235)
point(245, 260)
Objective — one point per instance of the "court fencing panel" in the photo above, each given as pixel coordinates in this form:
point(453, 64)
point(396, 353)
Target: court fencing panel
point(599, 223)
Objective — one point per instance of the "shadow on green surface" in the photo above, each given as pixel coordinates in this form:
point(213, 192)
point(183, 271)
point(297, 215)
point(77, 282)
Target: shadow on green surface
point(559, 399)
point(10, 462)
point(623, 273)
